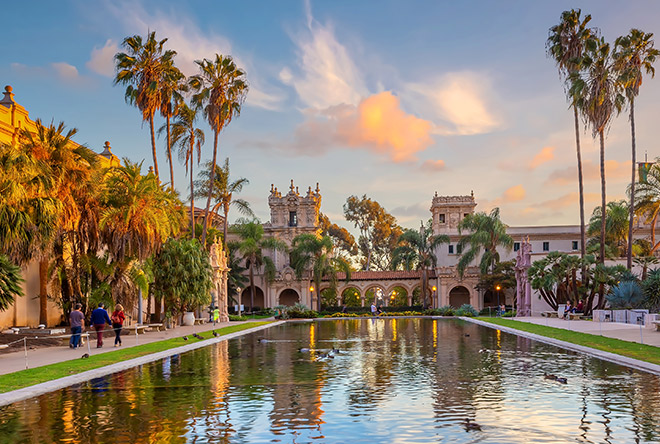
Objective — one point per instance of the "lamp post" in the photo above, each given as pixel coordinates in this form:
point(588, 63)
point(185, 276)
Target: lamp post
point(497, 287)
point(311, 296)
point(238, 290)
point(433, 303)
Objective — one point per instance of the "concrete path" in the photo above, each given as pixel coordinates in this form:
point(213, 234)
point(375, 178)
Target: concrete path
point(626, 332)
point(14, 361)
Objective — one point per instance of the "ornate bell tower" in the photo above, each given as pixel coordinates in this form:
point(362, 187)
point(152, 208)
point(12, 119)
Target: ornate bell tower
point(293, 214)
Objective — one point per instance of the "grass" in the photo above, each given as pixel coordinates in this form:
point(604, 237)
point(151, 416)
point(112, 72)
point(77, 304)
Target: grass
point(647, 353)
point(32, 376)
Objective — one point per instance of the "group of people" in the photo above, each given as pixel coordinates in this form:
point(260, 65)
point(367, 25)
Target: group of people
point(570, 308)
point(98, 320)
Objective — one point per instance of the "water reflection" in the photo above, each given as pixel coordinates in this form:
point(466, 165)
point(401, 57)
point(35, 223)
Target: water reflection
point(402, 380)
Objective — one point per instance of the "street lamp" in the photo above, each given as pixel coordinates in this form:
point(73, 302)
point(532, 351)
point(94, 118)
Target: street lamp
point(238, 290)
point(434, 288)
point(497, 287)
point(311, 295)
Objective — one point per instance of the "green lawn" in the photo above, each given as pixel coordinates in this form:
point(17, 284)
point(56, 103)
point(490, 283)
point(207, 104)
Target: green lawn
point(32, 376)
point(634, 350)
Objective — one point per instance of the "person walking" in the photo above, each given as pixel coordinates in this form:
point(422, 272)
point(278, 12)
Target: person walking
point(117, 319)
point(216, 315)
point(99, 319)
point(77, 321)
point(373, 309)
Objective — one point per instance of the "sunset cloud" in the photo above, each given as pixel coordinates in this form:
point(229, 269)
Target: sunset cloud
point(433, 166)
point(102, 59)
point(614, 170)
point(377, 124)
point(514, 194)
point(545, 155)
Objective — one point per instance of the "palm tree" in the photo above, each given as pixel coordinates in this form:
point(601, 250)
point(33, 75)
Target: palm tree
point(311, 252)
point(599, 97)
point(566, 44)
point(189, 140)
point(141, 68)
point(172, 85)
point(616, 229)
point(632, 54)
point(486, 232)
point(251, 248)
point(221, 89)
point(138, 217)
point(418, 248)
point(647, 200)
point(223, 193)
point(70, 168)
point(10, 282)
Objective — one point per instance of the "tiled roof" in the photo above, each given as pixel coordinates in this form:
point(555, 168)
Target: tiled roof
point(383, 275)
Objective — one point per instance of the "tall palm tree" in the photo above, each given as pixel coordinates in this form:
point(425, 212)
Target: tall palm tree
point(141, 68)
point(220, 88)
point(189, 140)
point(312, 253)
point(599, 98)
point(251, 246)
point(70, 167)
point(566, 44)
point(633, 53)
point(616, 229)
point(172, 85)
point(418, 248)
point(485, 232)
point(138, 217)
point(223, 193)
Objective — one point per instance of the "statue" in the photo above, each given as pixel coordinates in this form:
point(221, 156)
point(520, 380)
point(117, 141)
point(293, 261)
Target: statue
point(218, 260)
point(523, 286)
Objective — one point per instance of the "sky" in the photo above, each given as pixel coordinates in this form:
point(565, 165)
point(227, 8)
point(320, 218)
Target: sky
point(396, 100)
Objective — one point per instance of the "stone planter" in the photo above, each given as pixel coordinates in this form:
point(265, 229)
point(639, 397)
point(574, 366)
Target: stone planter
point(188, 318)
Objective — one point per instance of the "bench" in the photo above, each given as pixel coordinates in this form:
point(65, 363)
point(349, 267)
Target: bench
point(657, 325)
point(575, 316)
point(549, 314)
point(156, 327)
point(200, 321)
point(141, 329)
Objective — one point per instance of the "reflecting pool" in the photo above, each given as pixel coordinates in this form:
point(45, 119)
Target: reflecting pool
point(390, 381)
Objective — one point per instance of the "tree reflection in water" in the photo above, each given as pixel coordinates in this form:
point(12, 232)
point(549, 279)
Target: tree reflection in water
point(405, 380)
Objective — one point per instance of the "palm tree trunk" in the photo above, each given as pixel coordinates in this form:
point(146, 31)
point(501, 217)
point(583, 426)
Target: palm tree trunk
point(224, 227)
point(580, 187)
point(632, 185)
point(192, 192)
point(153, 145)
point(43, 292)
point(169, 151)
point(251, 286)
point(211, 179)
point(603, 204)
point(317, 281)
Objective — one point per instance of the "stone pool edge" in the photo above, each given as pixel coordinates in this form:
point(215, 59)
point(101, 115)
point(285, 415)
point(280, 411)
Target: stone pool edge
point(57, 384)
point(606, 356)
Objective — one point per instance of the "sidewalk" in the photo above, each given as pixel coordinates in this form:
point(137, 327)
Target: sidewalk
point(15, 360)
point(626, 332)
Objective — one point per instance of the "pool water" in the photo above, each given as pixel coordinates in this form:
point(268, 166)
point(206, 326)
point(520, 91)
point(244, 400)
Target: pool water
point(389, 381)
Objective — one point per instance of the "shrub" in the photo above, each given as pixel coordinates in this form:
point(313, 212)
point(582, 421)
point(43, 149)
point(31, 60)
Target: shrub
point(651, 291)
point(467, 310)
point(509, 314)
point(300, 311)
point(626, 295)
point(237, 318)
point(447, 310)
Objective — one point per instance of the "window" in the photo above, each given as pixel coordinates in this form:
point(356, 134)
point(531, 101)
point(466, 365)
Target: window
point(466, 214)
point(441, 218)
point(459, 248)
point(546, 246)
point(451, 249)
point(293, 219)
point(516, 246)
point(575, 245)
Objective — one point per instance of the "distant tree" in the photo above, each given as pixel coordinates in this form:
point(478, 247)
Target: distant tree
point(567, 43)
point(616, 229)
point(220, 90)
point(647, 201)
point(633, 53)
point(141, 68)
point(342, 239)
point(379, 231)
point(313, 254)
point(482, 232)
point(418, 248)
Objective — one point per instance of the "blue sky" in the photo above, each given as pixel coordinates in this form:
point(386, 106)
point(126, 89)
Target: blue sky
point(392, 99)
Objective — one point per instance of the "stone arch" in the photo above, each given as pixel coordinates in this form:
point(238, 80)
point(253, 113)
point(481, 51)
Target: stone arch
point(398, 295)
point(370, 293)
point(458, 296)
point(351, 296)
point(289, 297)
point(258, 298)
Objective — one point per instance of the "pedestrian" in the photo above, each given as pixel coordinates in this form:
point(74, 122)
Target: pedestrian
point(216, 315)
point(373, 309)
point(117, 319)
point(77, 320)
point(99, 319)
point(344, 309)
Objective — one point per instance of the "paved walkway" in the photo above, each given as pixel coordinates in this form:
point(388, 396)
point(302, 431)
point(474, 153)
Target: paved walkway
point(15, 360)
point(627, 332)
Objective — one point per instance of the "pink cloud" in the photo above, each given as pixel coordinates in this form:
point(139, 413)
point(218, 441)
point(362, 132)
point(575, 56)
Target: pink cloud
point(614, 170)
point(545, 155)
point(433, 165)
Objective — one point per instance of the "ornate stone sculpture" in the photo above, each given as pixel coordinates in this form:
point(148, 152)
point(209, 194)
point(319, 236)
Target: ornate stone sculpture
point(523, 287)
point(218, 260)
